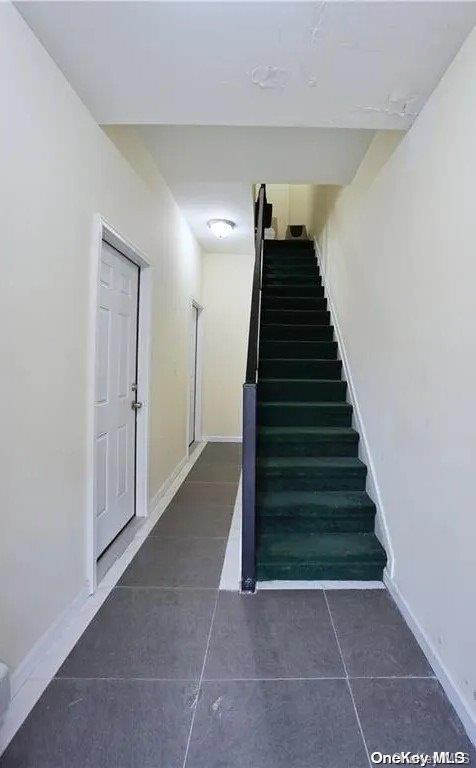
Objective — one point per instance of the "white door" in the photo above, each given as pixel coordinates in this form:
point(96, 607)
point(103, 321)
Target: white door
point(192, 418)
point(115, 418)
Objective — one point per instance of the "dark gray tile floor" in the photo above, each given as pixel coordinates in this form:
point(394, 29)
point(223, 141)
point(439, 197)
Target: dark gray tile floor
point(173, 674)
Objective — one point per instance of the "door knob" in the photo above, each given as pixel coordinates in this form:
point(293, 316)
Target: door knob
point(136, 405)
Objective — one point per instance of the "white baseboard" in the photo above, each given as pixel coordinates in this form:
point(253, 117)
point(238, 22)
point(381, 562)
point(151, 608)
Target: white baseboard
point(31, 677)
point(444, 676)
point(170, 482)
point(27, 667)
point(283, 584)
point(222, 439)
point(365, 453)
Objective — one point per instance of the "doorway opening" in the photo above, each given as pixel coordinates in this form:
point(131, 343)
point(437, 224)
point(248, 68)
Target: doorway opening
point(116, 401)
point(194, 419)
point(119, 380)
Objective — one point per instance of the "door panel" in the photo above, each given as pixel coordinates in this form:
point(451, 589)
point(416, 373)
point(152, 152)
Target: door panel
point(115, 421)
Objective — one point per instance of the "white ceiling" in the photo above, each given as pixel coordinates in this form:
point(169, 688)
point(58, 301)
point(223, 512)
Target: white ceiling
point(343, 64)
point(202, 201)
point(291, 155)
point(210, 170)
point(308, 82)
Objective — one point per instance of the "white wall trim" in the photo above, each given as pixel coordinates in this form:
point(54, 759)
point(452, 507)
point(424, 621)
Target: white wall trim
point(365, 453)
point(102, 230)
point(222, 438)
point(335, 585)
point(444, 676)
point(33, 674)
point(27, 667)
point(230, 580)
point(198, 382)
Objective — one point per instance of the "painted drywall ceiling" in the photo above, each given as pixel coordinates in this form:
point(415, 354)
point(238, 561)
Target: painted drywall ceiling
point(211, 169)
point(202, 201)
point(343, 64)
point(291, 155)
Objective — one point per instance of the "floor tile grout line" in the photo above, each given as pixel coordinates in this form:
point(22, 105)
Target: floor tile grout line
point(103, 679)
point(347, 679)
point(210, 482)
point(197, 700)
point(164, 587)
point(186, 536)
point(323, 677)
point(233, 679)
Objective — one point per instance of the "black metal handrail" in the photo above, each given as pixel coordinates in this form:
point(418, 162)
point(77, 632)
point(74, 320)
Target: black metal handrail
point(252, 358)
point(248, 535)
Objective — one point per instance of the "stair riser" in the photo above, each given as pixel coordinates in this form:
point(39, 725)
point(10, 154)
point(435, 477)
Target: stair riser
point(291, 267)
point(297, 332)
point(317, 572)
point(315, 524)
point(308, 273)
point(290, 250)
point(303, 417)
point(295, 291)
point(318, 303)
point(302, 391)
point(305, 481)
point(269, 282)
point(326, 350)
point(301, 265)
point(294, 317)
point(289, 270)
point(301, 369)
point(313, 449)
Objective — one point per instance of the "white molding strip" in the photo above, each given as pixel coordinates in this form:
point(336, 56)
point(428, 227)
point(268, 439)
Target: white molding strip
point(222, 439)
point(27, 668)
point(373, 488)
point(281, 584)
point(41, 664)
point(231, 572)
point(444, 676)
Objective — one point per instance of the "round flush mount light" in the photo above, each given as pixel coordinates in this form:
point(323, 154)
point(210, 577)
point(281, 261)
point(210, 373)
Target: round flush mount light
point(221, 227)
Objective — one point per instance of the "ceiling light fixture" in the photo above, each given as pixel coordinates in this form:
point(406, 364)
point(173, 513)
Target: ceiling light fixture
point(221, 227)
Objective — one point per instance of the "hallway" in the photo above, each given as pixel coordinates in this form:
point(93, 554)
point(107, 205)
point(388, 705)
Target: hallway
point(301, 679)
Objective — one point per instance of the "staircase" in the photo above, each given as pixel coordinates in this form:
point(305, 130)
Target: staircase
point(314, 519)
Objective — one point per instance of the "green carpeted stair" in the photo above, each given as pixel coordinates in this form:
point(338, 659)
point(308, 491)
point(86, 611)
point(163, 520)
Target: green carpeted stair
point(314, 519)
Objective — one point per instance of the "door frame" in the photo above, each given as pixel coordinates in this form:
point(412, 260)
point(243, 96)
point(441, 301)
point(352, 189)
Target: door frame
point(102, 230)
point(198, 377)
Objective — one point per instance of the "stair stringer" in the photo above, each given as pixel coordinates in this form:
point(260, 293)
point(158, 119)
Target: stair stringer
point(372, 487)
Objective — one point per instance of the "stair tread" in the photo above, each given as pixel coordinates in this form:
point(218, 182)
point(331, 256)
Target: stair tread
point(308, 284)
point(299, 359)
point(300, 341)
point(306, 404)
point(297, 326)
point(292, 379)
point(298, 502)
point(320, 547)
point(302, 431)
point(324, 462)
point(296, 312)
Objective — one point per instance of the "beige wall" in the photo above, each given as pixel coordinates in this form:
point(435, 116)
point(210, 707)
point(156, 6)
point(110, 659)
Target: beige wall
point(58, 171)
point(399, 253)
point(226, 297)
point(292, 204)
